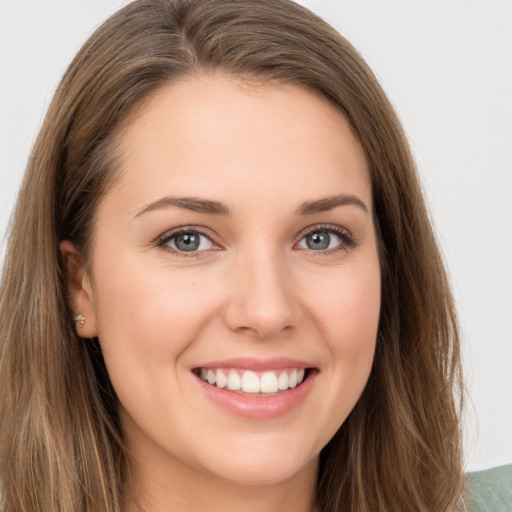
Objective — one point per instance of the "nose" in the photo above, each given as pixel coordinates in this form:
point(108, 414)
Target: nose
point(262, 298)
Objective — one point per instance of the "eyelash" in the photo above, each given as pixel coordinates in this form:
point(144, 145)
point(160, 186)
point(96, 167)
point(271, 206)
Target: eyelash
point(347, 239)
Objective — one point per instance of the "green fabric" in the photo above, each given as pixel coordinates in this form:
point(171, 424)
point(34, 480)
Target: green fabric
point(489, 490)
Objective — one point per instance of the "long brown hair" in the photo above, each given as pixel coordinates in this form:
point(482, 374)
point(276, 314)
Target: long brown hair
point(61, 449)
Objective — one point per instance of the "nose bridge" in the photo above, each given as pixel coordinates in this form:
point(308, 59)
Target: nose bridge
point(262, 297)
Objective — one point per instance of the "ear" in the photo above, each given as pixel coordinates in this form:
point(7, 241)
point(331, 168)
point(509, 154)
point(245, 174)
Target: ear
point(79, 289)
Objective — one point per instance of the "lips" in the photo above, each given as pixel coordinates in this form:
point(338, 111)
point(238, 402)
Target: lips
point(256, 389)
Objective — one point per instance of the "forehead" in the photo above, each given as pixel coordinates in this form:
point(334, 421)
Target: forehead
point(227, 137)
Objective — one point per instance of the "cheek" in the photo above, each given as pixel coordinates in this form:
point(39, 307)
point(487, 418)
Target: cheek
point(153, 315)
point(348, 311)
point(145, 325)
point(345, 310)
point(359, 310)
point(348, 315)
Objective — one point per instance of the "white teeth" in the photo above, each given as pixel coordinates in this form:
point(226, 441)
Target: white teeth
point(250, 382)
point(221, 379)
point(269, 383)
point(234, 381)
point(292, 379)
point(282, 382)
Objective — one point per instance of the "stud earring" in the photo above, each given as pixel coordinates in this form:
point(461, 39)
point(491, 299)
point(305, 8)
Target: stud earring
point(80, 319)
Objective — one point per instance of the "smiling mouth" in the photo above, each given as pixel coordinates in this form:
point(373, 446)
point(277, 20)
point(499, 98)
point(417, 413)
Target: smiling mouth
point(252, 382)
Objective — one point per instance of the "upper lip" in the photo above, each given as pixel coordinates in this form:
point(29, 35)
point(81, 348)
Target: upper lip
point(257, 365)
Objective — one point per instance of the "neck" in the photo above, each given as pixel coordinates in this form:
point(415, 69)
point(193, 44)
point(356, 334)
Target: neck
point(188, 490)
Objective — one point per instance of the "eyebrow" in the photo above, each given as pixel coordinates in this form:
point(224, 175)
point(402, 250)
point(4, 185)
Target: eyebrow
point(329, 203)
point(210, 207)
point(194, 204)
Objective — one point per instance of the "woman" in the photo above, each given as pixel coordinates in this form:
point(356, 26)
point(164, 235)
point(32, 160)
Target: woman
point(230, 296)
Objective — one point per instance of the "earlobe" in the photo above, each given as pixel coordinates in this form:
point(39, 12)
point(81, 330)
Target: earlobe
point(80, 292)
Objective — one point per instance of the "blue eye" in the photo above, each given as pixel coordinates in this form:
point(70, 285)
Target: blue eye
point(188, 241)
point(323, 239)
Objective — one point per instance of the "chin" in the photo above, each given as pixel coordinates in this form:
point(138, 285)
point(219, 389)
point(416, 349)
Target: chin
point(262, 463)
point(266, 474)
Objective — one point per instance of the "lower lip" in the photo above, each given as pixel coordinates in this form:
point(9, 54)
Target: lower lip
point(259, 407)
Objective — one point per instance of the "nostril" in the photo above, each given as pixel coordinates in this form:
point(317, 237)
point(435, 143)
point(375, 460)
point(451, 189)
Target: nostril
point(263, 323)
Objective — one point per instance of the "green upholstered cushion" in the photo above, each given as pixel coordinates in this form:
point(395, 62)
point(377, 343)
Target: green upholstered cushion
point(489, 490)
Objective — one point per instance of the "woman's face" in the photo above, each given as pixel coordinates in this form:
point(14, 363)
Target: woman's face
point(236, 249)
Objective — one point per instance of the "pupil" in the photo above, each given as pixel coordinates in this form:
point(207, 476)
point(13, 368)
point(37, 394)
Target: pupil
point(318, 240)
point(187, 242)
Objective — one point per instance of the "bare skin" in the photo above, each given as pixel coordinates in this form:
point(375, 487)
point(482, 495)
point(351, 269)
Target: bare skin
point(239, 230)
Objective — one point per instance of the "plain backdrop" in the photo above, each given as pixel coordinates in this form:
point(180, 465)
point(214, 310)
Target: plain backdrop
point(446, 66)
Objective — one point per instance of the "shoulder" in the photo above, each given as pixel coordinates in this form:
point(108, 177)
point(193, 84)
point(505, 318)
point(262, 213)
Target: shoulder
point(489, 490)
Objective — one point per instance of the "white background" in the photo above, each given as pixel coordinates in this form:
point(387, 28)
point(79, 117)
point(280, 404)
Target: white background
point(447, 67)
